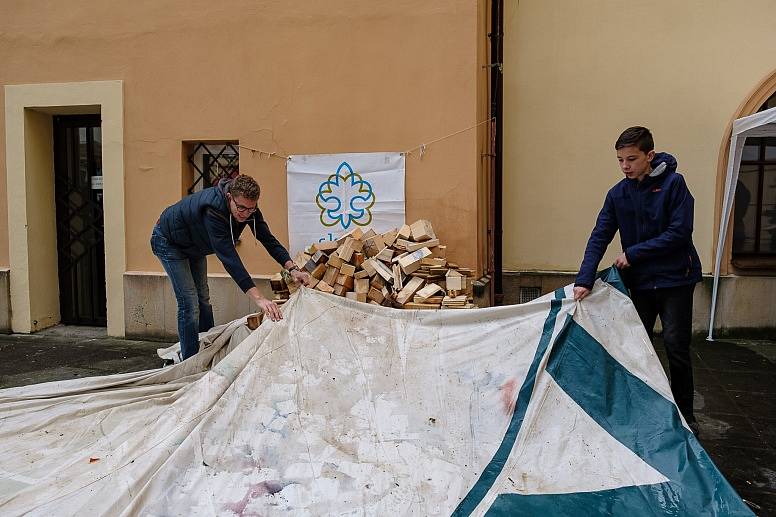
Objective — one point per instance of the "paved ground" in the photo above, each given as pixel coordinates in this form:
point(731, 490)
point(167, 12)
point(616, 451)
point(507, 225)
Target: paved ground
point(735, 392)
point(735, 402)
point(69, 352)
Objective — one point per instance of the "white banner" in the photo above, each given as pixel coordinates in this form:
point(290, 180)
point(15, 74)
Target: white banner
point(331, 194)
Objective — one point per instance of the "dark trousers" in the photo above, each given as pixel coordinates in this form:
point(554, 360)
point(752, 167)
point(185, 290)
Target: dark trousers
point(674, 306)
point(188, 276)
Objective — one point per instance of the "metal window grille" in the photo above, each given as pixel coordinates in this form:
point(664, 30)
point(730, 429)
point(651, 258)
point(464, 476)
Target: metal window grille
point(529, 293)
point(213, 162)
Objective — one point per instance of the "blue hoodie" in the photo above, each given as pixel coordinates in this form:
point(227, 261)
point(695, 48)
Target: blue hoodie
point(655, 221)
point(201, 224)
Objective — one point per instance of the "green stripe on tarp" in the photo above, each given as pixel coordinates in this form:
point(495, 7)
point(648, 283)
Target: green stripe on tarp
point(633, 501)
point(612, 277)
point(496, 465)
point(645, 422)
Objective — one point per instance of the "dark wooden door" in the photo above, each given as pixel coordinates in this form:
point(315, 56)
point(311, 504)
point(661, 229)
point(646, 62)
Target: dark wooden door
point(80, 224)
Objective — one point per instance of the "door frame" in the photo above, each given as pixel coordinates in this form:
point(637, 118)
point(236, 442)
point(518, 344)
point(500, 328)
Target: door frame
point(30, 190)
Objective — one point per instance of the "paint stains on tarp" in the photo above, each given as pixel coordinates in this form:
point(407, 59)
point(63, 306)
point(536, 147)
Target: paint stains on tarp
point(255, 491)
point(508, 392)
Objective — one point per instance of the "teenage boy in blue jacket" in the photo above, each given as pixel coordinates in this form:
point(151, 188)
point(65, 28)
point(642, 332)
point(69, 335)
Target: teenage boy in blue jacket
point(206, 222)
point(653, 211)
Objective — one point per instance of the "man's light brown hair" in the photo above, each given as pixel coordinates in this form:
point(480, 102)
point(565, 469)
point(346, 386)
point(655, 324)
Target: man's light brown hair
point(245, 186)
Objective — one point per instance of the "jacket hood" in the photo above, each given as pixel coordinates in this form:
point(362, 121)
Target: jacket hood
point(659, 172)
point(666, 158)
point(223, 185)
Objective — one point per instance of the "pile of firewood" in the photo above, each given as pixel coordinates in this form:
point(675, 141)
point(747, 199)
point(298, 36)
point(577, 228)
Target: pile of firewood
point(404, 268)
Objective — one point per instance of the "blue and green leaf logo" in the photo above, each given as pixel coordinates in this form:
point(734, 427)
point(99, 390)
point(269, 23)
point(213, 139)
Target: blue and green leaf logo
point(345, 199)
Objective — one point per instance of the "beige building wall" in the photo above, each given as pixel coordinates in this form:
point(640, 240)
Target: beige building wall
point(296, 78)
point(578, 73)
point(290, 77)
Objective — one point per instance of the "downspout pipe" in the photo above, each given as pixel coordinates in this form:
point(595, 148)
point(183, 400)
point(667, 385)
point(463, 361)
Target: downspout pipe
point(496, 111)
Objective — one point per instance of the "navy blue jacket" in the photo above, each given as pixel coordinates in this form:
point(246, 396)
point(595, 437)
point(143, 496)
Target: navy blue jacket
point(655, 221)
point(199, 225)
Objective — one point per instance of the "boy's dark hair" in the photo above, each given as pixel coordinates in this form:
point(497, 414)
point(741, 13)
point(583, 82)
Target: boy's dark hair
point(638, 136)
point(245, 186)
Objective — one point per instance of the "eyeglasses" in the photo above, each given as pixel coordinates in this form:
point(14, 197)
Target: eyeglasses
point(243, 209)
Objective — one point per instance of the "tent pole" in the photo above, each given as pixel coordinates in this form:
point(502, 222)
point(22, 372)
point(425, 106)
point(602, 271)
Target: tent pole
point(727, 203)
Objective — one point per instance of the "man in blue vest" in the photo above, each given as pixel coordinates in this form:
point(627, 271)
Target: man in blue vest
point(653, 211)
point(206, 222)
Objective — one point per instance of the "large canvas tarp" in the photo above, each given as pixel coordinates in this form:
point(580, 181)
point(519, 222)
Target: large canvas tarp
point(551, 407)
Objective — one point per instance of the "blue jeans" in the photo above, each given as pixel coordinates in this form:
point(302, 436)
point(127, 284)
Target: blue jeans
point(188, 276)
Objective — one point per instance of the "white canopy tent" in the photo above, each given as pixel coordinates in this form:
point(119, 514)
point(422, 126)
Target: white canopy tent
point(757, 125)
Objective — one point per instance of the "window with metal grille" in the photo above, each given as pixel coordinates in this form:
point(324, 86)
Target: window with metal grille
point(754, 214)
point(209, 162)
point(529, 293)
